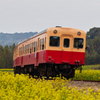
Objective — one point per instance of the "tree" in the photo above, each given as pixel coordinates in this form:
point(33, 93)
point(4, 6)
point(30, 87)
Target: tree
point(6, 56)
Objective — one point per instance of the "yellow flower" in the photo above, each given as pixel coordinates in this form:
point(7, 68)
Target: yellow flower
point(23, 88)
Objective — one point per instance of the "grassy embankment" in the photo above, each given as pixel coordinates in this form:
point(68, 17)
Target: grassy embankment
point(89, 72)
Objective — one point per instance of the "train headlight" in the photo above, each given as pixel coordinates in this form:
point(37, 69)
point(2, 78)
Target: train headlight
point(55, 31)
point(49, 58)
point(79, 33)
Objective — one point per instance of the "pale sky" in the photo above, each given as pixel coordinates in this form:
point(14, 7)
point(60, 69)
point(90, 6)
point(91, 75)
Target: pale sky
point(37, 15)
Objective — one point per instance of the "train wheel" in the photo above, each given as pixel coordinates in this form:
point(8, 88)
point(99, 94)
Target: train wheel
point(66, 71)
point(71, 74)
point(22, 70)
point(25, 70)
point(49, 72)
point(42, 73)
point(19, 70)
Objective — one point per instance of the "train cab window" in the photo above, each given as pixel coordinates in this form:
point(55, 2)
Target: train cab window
point(66, 42)
point(78, 42)
point(54, 41)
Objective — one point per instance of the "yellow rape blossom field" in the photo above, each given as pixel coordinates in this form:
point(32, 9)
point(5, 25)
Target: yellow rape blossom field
point(22, 87)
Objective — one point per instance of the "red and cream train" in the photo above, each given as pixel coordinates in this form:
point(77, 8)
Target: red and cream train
point(51, 52)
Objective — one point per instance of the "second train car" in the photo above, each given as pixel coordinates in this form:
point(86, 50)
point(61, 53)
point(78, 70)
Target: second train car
point(54, 51)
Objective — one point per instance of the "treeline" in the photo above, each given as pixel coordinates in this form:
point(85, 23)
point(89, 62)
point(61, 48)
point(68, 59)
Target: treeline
point(6, 56)
point(92, 55)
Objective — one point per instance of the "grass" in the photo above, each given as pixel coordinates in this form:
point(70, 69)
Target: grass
point(7, 70)
point(93, 75)
point(93, 67)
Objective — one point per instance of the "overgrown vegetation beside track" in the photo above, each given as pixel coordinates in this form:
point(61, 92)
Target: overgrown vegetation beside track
point(93, 67)
point(89, 72)
point(23, 88)
point(93, 75)
point(6, 70)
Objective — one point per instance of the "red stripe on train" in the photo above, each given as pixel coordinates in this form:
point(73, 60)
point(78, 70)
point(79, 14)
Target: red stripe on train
point(50, 56)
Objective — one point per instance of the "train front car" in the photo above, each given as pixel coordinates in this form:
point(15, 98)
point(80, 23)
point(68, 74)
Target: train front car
point(51, 52)
point(65, 50)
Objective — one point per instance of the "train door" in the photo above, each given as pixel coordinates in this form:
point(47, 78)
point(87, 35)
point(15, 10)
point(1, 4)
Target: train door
point(38, 49)
point(22, 55)
point(66, 49)
point(36, 54)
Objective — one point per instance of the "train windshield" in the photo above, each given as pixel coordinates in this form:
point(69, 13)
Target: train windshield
point(54, 41)
point(78, 42)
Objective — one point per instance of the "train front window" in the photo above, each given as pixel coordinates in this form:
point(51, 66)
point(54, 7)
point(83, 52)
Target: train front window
point(54, 41)
point(66, 42)
point(78, 42)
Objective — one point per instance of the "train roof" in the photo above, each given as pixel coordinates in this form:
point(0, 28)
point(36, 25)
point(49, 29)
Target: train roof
point(34, 36)
point(51, 29)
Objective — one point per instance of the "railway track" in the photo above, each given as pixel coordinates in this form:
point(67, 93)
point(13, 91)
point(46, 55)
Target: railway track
point(71, 80)
point(86, 80)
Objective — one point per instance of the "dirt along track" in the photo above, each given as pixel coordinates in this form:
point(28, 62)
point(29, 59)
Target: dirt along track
point(82, 84)
point(85, 85)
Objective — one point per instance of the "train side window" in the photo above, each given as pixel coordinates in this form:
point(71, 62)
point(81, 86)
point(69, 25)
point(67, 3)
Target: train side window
point(28, 48)
point(35, 46)
point(45, 43)
point(42, 44)
point(66, 42)
point(20, 51)
point(54, 41)
point(23, 50)
point(78, 42)
point(31, 48)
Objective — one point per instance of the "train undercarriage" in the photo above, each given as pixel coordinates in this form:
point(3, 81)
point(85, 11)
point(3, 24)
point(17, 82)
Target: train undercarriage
point(47, 70)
